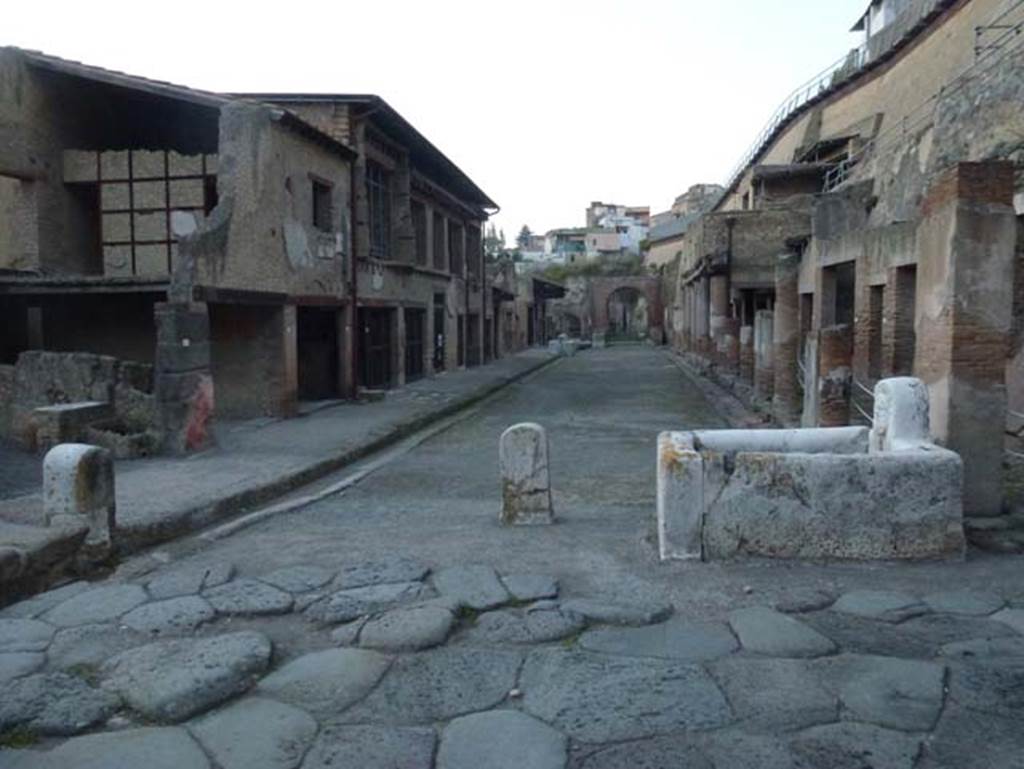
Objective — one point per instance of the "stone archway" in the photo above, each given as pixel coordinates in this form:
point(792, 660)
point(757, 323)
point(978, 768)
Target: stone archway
point(628, 313)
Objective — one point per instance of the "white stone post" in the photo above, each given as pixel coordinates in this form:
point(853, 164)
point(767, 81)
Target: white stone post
point(525, 476)
point(680, 497)
point(78, 481)
point(901, 418)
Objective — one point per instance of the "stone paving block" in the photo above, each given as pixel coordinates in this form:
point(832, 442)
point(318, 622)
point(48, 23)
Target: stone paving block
point(766, 631)
point(856, 746)
point(25, 635)
point(505, 626)
point(902, 694)
point(982, 648)
point(617, 614)
point(348, 634)
point(372, 747)
point(883, 605)
point(299, 579)
point(326, 681)
point(248, 597)
point(970, 602)
point(530, 587)
point(410, 629)
point(572, 692)
point(347, 605)
point(54, 704)
point(994, 686)
point(968, 739)
point(256, 733)
point(175, 679)
point(189, 579)
point(774, 695)
point(42, 603)
point(149, 747)
point(17, 664)
point(473, 586)
point(801, 600)
point(381, 572)
point(101, 604)
point(1013, 618)
point(91, 645)
point(677, 639)
point(501, 739)
point(174, 615)
point(720, 749)
point(440, 684)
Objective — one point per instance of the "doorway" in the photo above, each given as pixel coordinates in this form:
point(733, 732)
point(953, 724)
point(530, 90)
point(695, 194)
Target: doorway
point(375, 347)
point(415, 329)
point(317, 352)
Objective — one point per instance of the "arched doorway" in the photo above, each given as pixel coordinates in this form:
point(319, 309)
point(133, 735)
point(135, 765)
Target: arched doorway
point(627, 314)
point(571, 326)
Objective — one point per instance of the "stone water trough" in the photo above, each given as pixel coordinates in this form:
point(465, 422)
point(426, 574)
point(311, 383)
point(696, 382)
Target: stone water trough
point(822, 493)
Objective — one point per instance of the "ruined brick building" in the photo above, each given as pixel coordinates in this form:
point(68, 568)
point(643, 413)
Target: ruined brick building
point(874, 229)
point(168, 253)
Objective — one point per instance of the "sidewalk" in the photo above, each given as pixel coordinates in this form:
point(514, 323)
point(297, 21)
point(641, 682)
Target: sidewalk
point(164, 497)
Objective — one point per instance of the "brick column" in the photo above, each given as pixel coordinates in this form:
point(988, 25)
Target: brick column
point(719, 317)
point(746, 352)
point(787, 399)
point(835, 357)
point(963, 315)
point(183, 382)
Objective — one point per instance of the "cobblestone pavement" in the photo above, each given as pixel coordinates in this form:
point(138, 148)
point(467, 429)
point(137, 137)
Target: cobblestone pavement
point(397, 625)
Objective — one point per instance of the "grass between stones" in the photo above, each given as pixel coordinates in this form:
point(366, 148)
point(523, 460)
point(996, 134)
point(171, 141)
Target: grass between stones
point(18, 738)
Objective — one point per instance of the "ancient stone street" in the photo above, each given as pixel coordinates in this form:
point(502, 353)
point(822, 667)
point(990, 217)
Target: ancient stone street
point(398, 623)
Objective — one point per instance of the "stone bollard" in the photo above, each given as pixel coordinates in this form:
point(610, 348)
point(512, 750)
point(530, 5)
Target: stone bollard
point(901, 418)
point(525, 478)
point(78, 481)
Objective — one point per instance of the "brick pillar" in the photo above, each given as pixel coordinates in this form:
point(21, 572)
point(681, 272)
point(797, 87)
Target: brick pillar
point(835, 357)
point(285, 380)
point(398, 347)
point(746, 349)
point(963, 315)
point(718, 314)
point(763, 355)
point(183, 382)
point(787, 398)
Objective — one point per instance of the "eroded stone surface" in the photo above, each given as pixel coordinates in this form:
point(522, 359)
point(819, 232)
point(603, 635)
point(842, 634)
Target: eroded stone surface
point(40, 604)
point(348, 634)
point(17, 664)
point(993, 686)
point(894, 693)
point(525, 476)
point(856, 746)
point(91, 645)
point(256, 733)
point(381, 572)
point(770, 695)
point(347, 605)
point(617, 614)
point(766, 631)
point(970, 602)
point(524, 627)
point(410, 629)
point(439, 684)
point(474, 586)
point(24, 635)
point(883, 605)
point(172, 680)
point(248, 597)
point(1013, 618)
point(54, 703)
point(530, 587)
point(173, 615)
point(800, 600)
point(501, 739)
point(372, 747)
point(152, 748)
point(573, 691)
point(101, 604)
point(677, 639)
point(299, 579)
point(189, 579)
point(327, 681)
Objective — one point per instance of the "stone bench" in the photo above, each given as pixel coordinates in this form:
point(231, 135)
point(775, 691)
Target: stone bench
point(825, 493)
point(67, 422)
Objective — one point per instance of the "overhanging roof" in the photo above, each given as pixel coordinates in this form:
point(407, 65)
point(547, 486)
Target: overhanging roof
point(428, 156)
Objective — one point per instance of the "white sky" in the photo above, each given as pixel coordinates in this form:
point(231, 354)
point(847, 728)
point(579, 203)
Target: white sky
point(546, 105)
